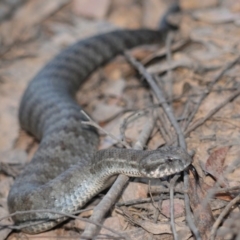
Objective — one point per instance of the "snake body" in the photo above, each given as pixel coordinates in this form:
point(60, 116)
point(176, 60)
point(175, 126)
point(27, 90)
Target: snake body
point(67, 170)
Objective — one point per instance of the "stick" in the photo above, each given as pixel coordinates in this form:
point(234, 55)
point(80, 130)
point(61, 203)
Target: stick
point(110, 198)
point(181, 140)
point(160, 96)
point(92, 123)
point(215, 80)
point(223, 214)
point(172, 184)
point(212, 112)
point(53, 212)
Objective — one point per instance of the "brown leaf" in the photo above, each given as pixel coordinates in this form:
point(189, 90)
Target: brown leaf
point(215, 163)
point(178, 207)
point(113, 223)
point(96, 9)
point(137, 234)
point(126, 14)
point(202, 211)
point(135, 191)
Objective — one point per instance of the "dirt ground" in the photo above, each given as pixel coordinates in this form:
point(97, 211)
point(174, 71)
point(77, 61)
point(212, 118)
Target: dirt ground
point(197, 69)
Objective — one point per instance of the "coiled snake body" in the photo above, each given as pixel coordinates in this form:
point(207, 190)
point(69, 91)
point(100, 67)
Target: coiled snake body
point(67, 170)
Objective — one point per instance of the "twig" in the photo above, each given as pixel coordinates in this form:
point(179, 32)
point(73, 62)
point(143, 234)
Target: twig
point(168, 110)
point(53, 212)
point(165, 126)
point(145, 133)
point(225, 190)
point(174, 47)
point(158, 207)
point(129, 217)
point(157, 213)
point(132, 117)
point(177, 98)
point(93, 124)
point(103, 207)
point(151, 196)
point(169, 60)
point(186, 111)
point(147, 200)
point(212, 112)
point(160, 189)
point(110, 198)
point(222, 216)
point(172, 184)
point(187, 208)
point(215, 80)
point(160, 96)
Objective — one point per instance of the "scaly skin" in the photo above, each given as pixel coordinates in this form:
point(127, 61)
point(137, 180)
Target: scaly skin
point(67, 171)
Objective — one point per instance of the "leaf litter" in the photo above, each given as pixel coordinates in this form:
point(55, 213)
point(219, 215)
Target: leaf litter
point(29, 38)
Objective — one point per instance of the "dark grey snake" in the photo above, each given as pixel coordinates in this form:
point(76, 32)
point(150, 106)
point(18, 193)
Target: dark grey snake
point(67, 170)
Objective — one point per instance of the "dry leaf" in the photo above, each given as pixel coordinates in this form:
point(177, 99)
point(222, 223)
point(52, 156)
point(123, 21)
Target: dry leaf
point(189, 5)
point(113, 223)
point(134, 191)
point(95, 9)
point(215, 164)
point(179, 208)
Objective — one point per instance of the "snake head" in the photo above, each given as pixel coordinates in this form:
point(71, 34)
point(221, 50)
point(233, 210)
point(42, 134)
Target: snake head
point(164, 162)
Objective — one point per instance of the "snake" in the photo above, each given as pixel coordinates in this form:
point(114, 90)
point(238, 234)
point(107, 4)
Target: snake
point(67, 169)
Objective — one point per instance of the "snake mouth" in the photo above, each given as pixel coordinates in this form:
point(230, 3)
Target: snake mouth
point(156, 170)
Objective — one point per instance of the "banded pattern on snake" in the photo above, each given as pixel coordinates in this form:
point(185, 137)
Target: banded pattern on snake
point(67, 170)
